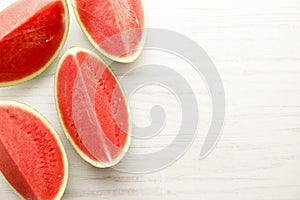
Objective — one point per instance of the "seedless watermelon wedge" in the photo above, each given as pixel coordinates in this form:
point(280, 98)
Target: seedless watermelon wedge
point(32, 32)
point(92, 108)
point(115, 27)
point(32, 158)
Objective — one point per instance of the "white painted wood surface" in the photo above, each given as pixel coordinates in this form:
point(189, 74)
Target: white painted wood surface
point(255, 46)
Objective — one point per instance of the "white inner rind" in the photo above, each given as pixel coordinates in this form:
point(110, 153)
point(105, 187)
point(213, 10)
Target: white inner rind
point(54, 133)
point(127, 59)
point(73, 51)
point(27, 78)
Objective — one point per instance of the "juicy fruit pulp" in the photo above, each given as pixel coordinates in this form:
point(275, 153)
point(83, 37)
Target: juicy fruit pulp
point(32, 158)
point(31, 34)
point(115, 27)
point(92, 108)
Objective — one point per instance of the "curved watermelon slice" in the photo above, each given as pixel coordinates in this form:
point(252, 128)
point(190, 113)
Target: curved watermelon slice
point(115, 27)
point(92, 108)
point(32, 32)
point(32, 158)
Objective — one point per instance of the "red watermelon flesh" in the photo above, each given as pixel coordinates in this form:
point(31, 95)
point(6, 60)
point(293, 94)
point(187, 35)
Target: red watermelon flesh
point(115, 27)
point(31, 34)
point(32, 158)
point(101, 146)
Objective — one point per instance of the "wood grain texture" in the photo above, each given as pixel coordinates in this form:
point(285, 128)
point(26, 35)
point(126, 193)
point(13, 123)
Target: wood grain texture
point(255, 46)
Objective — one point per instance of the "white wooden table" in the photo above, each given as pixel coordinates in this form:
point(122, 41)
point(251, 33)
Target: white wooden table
point(256, 48)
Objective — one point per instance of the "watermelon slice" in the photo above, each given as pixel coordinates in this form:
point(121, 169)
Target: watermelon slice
point(32, 32)
point(92, 108)
point(32, 158)
point(116, 28)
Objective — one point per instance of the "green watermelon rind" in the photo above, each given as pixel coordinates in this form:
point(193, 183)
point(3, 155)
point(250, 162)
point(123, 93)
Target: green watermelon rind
point(86, 158)
point(129, 59)
point(34, 112)
point(47, 65)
